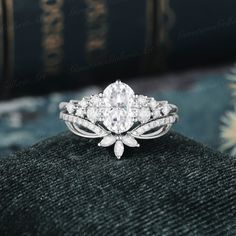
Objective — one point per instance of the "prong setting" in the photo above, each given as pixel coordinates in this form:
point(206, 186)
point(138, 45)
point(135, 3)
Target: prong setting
point(119, 116)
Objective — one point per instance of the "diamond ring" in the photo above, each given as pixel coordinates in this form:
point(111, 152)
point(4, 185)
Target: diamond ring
point(119, 117)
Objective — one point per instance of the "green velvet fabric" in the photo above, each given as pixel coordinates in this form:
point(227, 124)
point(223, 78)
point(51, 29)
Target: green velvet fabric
point(68, 185)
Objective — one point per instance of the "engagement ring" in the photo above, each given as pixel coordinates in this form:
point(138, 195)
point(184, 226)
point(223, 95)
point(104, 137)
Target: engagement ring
point(119, 117)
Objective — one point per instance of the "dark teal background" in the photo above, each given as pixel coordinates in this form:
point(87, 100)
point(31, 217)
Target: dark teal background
point(202, 98)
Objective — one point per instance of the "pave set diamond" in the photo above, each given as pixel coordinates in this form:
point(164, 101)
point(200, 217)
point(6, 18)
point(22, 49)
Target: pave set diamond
point(119, 117)
point(118, 108)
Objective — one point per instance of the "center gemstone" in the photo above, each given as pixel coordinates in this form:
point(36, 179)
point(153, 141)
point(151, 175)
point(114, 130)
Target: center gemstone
point(118, 99)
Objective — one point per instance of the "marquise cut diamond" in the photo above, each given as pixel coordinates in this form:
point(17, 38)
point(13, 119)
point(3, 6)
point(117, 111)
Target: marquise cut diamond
point(70, 108)
point(92, 114)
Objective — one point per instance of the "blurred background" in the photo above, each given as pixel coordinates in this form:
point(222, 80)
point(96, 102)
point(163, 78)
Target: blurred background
point(183, 51)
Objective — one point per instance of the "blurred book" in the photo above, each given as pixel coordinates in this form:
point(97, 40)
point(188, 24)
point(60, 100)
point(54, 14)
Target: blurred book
point(63, 44)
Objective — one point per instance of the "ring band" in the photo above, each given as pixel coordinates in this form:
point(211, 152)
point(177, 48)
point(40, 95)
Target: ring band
point(119, 117)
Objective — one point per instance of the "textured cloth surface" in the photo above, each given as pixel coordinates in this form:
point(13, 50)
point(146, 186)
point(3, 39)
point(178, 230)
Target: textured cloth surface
point(68, 185)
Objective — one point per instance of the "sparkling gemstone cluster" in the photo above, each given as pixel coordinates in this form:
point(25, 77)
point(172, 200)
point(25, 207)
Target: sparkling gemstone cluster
point(118, 116)
point(119, 108)
point(78, 108)
point(119, 99)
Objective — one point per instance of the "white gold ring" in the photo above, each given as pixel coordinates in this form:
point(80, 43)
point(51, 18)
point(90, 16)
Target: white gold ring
point(119, 117)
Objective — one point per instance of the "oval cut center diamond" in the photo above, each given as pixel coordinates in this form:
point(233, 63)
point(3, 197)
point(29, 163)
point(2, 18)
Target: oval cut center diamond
point(118, 99)
point(119, 95)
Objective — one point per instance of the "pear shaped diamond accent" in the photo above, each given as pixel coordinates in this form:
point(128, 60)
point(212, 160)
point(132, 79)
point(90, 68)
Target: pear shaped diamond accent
point(166, 109)
point(92, 114)
point(70, 108)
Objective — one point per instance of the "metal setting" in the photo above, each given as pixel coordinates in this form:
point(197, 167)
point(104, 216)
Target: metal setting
point(119, 117)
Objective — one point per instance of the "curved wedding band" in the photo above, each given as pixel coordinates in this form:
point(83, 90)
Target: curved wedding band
point(119, 117)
